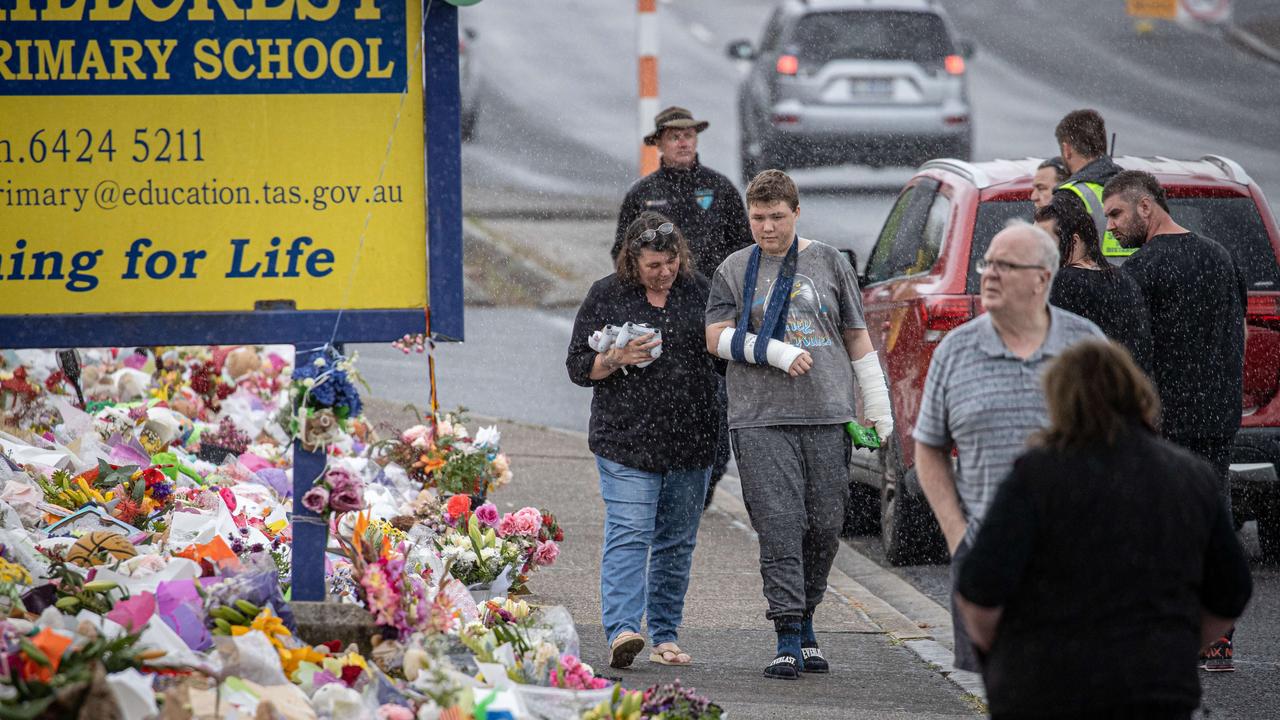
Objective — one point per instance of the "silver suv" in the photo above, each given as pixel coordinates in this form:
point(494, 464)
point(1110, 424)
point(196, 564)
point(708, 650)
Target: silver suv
point(878, 82)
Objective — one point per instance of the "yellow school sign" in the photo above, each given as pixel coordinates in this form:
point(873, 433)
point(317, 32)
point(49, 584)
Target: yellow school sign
point(180, 156)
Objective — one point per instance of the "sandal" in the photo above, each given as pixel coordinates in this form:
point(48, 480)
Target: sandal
point(624, 649)
point(784, 667)
point(668, 653)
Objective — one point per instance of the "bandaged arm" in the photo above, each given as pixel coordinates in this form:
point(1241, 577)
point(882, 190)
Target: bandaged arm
point(777, 353)
point(875, 393)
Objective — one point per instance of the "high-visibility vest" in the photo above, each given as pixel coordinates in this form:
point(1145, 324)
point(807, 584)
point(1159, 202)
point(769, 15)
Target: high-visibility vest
point(1090, 194)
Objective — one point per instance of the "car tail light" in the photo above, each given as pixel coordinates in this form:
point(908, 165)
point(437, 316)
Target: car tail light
point(942, 313)
point(1263, 310)
point(955, 119)
point(954, 64)
point(788, 65)
point(785, 119)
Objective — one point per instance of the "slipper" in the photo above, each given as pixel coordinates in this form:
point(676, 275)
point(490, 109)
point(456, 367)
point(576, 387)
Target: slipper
point(624, 649)
point(783, 667)
point(814, 662)
point(668, 653)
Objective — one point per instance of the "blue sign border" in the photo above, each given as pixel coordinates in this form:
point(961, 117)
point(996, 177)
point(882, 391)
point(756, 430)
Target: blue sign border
point(444, 230)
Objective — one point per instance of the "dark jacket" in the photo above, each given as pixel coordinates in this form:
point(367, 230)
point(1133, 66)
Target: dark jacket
point(1099, 171)
point(657, 418)
point(1102, 558)
point(713, 232)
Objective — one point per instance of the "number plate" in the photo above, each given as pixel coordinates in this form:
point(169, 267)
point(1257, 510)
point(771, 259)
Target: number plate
point(859, 89)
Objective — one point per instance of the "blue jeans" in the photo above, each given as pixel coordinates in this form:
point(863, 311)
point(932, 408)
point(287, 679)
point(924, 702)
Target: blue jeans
point(650, 527)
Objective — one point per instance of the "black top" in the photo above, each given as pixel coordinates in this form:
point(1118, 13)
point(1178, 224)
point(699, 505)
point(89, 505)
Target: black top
point(1196, 297)
point(661, 417)
point(1113, 301)
point(701, 202)
point(1102, 559)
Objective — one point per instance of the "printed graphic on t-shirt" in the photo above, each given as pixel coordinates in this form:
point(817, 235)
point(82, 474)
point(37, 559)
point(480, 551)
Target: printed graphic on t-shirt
point(804, 326)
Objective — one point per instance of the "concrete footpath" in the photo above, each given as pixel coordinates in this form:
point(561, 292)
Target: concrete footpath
point(878, 670)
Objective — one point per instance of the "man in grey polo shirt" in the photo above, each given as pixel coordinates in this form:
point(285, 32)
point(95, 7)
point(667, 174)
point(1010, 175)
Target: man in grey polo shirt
point(983, 394)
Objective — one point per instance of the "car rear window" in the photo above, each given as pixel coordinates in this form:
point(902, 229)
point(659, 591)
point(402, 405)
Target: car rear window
point(1236, 224)
point(871, 35)
point(1233, 222)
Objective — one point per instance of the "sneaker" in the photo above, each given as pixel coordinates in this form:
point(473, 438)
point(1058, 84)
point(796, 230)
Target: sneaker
point(1218, 657)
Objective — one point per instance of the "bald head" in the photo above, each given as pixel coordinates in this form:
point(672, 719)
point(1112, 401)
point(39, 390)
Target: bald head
point(1020, 264)
point(1031, 242)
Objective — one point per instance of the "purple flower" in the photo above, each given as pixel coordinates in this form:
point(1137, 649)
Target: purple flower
point(316, 500)
point(346, 491)
point(487, 514)
point(322, 678)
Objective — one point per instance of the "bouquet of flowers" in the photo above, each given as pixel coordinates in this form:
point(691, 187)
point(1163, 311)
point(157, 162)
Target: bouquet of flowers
point(478, 556)
point(446, 458)
point(323, 398)
point(337, 490)
point(483, 543)
point(394, 589)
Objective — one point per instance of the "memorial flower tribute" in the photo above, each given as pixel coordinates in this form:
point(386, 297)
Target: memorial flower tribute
point(146, 550)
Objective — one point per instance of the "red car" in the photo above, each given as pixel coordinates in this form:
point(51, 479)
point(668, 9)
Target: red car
point(920, 282)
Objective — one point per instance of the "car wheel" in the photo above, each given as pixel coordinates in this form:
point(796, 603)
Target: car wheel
point(908, 530)
point(862, 513)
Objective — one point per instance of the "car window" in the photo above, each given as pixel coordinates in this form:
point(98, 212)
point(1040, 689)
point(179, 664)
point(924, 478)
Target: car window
point(878, 268)
point(871, 35)
point(1236, 224)
point(900, 249)
point(992, 218)
point(935, 229)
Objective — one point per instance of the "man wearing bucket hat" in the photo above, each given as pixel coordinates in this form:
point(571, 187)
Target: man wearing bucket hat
point(701, 202)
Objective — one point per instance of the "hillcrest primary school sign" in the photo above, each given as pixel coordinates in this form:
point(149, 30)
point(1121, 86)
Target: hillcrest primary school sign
point(227, 171)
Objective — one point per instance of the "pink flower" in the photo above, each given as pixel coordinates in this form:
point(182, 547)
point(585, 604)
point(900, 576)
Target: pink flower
point(546, 553)
point(228, 497)
point(346, 492)
point(316, 500)
point(525, 522)
point(418, 436)
point(487, 514)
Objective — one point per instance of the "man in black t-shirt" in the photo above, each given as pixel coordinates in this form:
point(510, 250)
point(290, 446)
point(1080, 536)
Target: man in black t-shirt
point(1196, 298)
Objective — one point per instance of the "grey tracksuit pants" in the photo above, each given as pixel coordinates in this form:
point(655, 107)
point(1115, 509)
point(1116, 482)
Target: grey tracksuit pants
point(795, 484)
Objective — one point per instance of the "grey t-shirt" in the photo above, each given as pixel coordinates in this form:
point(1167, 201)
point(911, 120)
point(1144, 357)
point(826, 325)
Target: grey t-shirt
point(824, 302)
point(987, 402)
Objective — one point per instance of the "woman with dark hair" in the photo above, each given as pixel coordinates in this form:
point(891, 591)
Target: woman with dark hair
point(1107, 560)
point(1088, 285)
point(654, 426)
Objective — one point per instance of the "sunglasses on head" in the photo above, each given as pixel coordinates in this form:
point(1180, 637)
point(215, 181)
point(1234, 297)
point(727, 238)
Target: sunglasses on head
point(648, 236)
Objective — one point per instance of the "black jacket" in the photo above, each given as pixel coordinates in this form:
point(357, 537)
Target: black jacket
point(1096, 549)
point(713, 232)
point(1099, 171)
point(662, 417)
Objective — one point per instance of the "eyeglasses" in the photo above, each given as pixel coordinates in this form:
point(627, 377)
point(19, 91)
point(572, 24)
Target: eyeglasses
point(1000, 266)
point(652, 234)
